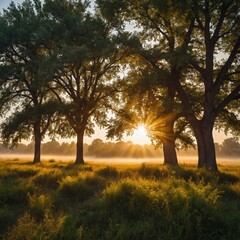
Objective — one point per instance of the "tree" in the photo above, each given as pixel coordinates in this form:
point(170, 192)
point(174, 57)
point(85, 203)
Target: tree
point(141, 103)
point(230, 147)
point(193, 33)
point(96, 148)
point(84, 61)
point(24, 95)
point(215, 33)
point(165, 27)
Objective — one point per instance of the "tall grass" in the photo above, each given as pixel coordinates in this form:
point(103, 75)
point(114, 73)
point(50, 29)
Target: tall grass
point(60, 201)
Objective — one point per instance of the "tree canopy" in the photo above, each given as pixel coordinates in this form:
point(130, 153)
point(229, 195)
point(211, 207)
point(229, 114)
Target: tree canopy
point(25, 97)
point(187, 38)
point(177, 72)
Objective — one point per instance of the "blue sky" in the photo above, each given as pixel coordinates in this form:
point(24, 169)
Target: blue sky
point(5, 3)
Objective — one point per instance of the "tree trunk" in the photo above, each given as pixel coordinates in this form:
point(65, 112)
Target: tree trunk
point(169, 152)
point(206, 147)
point(169, 149)
point(37, 143)
point(200, 147)
point(79, 156)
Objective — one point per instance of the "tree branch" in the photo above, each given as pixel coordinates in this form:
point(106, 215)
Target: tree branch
point(223, 72)
point(232, 96)
point(215, 36)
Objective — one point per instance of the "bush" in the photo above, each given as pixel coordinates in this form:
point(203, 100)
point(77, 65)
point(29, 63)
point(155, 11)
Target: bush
point(48, 179)
point(6, 218)
point(39, 206)
point(227, 178)
point(150, 172)
point(27, 228)
point(14, 194)
point(183, 173)
point(69, 229)
point(108, 172)
point(81, 188)
point(147, 209)
point(137, 203)
point(26, 173)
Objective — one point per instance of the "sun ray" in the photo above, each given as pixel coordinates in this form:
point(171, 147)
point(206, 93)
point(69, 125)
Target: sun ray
point(140, 135)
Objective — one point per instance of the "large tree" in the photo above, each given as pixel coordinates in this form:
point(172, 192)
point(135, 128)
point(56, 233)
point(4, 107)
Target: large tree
point(215, 36)
point(164, 28)
point(24, 98)
point(83, 64)
point(143, 102)
point(193, 33)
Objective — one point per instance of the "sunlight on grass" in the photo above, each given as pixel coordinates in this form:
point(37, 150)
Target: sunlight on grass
point(58, 200)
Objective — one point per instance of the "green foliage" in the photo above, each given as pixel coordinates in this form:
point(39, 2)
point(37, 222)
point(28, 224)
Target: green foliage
point(230, 147)
point(49, 179)
point(108, 172)
point(146, 209)
point(6, 218)
point(152, 172)
point(15, 173)
point(18, 127)
point(185, 39)
point(39, 206)
point(88, 51)
point(27, 228)
point(14, 194)
point(25, 97)
point(117, 202)
point(80, 188)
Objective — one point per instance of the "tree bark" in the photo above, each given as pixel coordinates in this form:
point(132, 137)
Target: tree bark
point(37, 143)
point(169, 152)
point(79, 145)
point(206, 147)
point(169, 148)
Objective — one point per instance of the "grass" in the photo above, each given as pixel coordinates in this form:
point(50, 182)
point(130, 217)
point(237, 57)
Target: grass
point(58, 200)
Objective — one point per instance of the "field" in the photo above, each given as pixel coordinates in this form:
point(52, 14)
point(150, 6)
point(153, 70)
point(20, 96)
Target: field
point(58, 200)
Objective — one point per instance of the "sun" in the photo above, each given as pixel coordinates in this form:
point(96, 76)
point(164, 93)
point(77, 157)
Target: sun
point(140, 135)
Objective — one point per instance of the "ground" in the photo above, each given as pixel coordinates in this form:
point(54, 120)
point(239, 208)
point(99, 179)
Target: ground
point(58, 200)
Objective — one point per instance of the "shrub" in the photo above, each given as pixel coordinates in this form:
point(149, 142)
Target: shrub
point(236, 188)
point(110, 172)
point(231, 192)
point(26, 172)
point(6, 218)
point(48, 179)
point(9, 176)
point(183, 173)
point(27, 228)
point(39, 206)
point(128, 199)
point(147, 209)
point(150, 172)
point(69, 229)
point(79, 168)
point(14, 194)
point(137, 203)
point(81, 188)
point(227, 178)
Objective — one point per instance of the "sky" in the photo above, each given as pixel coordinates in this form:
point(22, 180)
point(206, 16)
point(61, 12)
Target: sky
point(5, 3)
point(137, 138)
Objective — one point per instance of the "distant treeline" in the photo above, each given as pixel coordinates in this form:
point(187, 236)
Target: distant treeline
point(98, 148)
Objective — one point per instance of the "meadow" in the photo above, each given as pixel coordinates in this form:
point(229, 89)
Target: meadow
point(59, 200)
